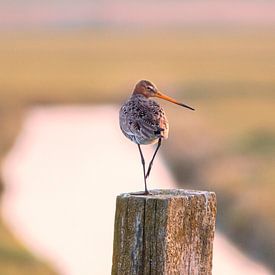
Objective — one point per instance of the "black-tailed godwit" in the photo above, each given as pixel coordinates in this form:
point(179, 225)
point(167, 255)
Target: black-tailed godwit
point(143, 120)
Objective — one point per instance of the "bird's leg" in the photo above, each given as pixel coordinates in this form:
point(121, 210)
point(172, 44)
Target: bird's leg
point(151, 162)
point(143, 164)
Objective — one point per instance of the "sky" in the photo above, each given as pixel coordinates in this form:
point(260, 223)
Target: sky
point(61, 13)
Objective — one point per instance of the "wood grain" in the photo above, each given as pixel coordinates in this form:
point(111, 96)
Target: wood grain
point(166, 232)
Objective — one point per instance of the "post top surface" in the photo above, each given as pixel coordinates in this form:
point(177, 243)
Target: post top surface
point(167, 193)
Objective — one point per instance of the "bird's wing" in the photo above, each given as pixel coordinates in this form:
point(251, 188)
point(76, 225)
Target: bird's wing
point(143, 120)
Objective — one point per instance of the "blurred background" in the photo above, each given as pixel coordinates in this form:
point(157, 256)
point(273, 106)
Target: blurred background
point(218, 56)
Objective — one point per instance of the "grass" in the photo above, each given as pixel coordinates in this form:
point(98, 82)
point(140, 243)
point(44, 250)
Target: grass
point(258, 142)
point(229, 76)
point(94, 65)
point(16, 259)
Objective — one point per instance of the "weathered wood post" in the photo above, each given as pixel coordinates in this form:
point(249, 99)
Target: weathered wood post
point(167, 232)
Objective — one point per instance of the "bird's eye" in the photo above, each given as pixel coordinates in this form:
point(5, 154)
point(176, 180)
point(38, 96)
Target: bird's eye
point(150, 88)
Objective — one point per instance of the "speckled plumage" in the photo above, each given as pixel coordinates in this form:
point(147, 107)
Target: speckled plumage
point(143, 120)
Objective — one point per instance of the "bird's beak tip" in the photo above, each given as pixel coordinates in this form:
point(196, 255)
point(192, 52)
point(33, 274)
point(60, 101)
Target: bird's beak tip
point(188, 107)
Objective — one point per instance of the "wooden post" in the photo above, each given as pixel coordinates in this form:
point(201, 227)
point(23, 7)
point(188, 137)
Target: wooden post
point(167, 232)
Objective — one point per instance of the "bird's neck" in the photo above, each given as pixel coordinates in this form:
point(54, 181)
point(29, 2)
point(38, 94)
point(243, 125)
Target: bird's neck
point(138, 93)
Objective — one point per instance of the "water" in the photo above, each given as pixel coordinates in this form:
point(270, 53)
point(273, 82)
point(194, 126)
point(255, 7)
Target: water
point(63, 175)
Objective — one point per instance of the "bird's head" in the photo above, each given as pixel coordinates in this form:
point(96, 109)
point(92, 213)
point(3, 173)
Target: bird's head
point(148, 89)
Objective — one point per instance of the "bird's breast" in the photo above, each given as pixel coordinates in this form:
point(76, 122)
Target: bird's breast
point(143, 120)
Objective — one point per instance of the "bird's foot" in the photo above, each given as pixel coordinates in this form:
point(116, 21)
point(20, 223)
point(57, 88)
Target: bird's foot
point(145, 193)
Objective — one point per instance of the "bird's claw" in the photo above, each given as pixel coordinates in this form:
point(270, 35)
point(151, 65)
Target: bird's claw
point(145, 193)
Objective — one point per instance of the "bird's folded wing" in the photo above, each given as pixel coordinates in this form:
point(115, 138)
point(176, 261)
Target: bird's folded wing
point(145, 130)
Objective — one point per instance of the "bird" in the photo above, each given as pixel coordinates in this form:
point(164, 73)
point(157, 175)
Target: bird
point(143, 120)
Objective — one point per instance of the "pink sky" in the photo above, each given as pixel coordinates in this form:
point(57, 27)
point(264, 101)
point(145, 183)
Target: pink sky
point(149, 13)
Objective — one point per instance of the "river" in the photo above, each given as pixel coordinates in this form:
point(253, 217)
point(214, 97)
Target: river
point(62, 176)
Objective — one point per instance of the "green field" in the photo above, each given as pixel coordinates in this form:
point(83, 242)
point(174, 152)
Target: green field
point(227, 145)
point(15, 259)
point(101, 65)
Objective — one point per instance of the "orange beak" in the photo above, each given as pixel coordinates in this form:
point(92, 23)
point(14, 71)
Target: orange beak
point(168, 98)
